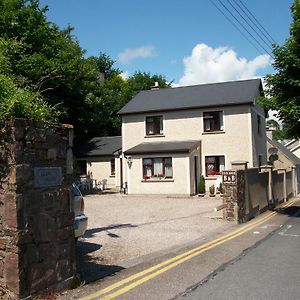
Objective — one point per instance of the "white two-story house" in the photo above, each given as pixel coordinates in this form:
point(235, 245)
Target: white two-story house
point(170, 137)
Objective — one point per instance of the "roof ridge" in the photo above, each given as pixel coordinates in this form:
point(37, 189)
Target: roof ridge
point(201, 84)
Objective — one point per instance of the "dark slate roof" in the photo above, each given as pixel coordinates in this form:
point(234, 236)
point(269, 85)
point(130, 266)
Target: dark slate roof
point(291, 156)
point(99, 146)
point(197, 96)
point(163, 147)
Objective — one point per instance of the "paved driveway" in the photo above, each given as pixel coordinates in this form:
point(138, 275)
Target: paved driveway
point(126, 230)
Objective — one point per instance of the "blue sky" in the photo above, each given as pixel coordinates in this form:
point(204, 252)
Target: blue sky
point(189, 42)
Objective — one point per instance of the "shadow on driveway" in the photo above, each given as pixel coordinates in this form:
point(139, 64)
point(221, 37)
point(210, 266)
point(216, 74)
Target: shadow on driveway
point(91, 232)
point(87, 267)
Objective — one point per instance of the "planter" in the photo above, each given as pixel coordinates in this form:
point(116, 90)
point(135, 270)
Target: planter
point(201, 195)
point(212, 195)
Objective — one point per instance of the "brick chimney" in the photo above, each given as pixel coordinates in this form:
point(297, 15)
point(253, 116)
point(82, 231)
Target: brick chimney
point(269, 131)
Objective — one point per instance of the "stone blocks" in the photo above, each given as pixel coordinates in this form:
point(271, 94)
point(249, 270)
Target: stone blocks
point(37, 248)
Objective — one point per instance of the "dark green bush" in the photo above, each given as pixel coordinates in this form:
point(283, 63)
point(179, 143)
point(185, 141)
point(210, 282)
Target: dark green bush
point(201, 185)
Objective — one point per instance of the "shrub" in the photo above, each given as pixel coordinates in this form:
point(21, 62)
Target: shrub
point(212, 189)
point(201, 185)
point(221, 188)
point(19, 102)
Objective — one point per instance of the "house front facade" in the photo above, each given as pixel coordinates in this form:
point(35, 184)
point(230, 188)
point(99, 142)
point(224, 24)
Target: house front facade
point(96, 160)
point(170, 137)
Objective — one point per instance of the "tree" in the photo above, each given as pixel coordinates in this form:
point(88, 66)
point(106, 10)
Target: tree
point(283, 87)
point(144, 81)
point(280, 132)
point(48, 63)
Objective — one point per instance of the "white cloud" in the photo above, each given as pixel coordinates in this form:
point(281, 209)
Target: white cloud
point(128, 55)
point(207, 64)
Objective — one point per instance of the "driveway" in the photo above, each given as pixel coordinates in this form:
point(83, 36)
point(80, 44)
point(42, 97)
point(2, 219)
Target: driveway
point(124, 231)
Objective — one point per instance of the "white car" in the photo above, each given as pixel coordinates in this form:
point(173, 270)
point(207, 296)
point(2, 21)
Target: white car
point(81, 220)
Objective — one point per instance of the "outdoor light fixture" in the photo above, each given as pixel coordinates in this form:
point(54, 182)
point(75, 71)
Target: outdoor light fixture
point(129, 161)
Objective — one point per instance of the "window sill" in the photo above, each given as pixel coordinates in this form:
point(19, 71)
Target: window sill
point(112, 176)
point(213, 132)
point(158, 180)
point(154, 135)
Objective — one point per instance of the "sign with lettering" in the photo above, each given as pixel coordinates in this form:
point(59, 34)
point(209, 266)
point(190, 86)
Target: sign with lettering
point(229, 177)
point(47, 176)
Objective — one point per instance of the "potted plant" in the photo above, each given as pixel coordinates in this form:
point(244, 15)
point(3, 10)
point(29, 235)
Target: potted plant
point(201, 187)
point(212, 191)
point(221, 189)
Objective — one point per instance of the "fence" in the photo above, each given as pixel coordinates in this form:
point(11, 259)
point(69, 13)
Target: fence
point(255, 190)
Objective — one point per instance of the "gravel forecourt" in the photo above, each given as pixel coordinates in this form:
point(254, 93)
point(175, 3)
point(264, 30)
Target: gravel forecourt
point(124, 231)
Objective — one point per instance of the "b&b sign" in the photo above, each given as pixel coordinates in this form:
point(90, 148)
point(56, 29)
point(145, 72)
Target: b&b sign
point(229, 177)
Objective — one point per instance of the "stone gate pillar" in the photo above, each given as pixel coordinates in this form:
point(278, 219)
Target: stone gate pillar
point(234, 182)
point(37, 249)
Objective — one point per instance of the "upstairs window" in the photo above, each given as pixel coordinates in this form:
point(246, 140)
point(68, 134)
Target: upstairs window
point(213, 121)
point(214, 165)
point(158, 167)
point(154, 125)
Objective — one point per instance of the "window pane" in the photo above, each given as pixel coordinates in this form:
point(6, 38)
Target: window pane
point(147, 161)
point(169, 171)
point(148, 171)
point(221, 120)
point(158, 167)
point(221, 163)
point(161, 131)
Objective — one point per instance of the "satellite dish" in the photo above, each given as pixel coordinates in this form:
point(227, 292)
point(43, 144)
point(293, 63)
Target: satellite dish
point(273, 151)
point(273, 157)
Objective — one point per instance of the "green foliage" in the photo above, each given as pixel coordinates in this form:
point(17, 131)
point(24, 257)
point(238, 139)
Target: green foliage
point(212, 190)
point(201, 185)
point(46, 66)
point(283, 88)
point(221, 188)
point(22, 103)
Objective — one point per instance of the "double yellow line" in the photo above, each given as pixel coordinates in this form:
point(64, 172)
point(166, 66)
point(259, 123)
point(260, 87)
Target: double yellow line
point(137, 279)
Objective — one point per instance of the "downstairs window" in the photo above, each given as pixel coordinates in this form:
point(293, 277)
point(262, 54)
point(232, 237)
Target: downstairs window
point(157, 168)
point(214, 165)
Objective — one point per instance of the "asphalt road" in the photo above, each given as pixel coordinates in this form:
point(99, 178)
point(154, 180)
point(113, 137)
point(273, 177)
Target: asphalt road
point(269, 270)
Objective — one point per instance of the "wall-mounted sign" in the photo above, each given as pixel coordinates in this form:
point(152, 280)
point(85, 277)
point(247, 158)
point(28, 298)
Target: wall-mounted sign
point(47, 176)
point(229, 177)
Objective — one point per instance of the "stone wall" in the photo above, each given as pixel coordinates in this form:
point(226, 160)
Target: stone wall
point(37, 249)
point(253, 191)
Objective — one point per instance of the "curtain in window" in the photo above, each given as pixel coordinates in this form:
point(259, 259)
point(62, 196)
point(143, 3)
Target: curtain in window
point(168, 167)
point(158, 166)
point(147, 167)
point(221, 121)
point(222, 163)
